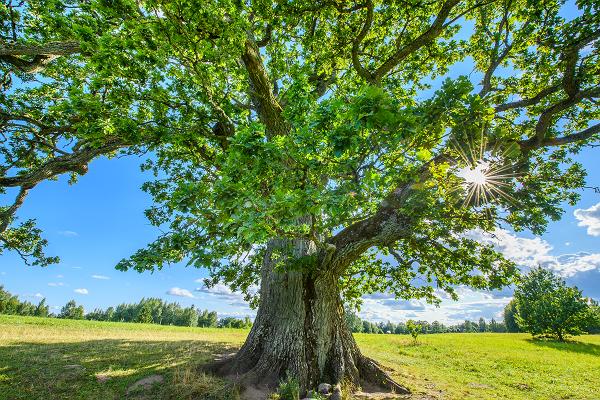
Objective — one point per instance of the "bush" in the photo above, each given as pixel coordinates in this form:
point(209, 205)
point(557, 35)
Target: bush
point(546, 306)
point(413, 328)
point(289, 389)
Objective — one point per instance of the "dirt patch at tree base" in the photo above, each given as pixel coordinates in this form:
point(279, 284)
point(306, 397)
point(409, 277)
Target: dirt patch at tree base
point(255, 393)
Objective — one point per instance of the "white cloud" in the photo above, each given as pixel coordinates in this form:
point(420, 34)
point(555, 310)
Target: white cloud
point(59, 276)
point(472, 305)
point(533, 252)
point(218, 290)
point(2, 273)
point(590, 218)
point(68, 233)
point(180, 292)
point(102, 277)
point(523, 251)
point(570, 264)
point(81, 291)
point(55, 284)
point(38, 295)
point(225, 293)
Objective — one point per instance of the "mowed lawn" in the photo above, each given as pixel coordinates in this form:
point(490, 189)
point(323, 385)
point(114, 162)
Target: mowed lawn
point(60, 359)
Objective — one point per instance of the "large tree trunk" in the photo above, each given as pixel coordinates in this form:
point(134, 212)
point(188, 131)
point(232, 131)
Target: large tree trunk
point(299, 330)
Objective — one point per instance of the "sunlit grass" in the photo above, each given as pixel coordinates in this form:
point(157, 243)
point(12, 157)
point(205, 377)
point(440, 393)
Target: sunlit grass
point(491, 366)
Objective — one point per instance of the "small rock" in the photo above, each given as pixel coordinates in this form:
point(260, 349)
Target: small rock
point(476, 385)
point(324, 388)
point(101, 378)
point(522, 386)
point(145, 383)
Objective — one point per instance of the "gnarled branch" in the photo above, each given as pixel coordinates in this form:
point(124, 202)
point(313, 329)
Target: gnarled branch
point(42, 54)
point(268, 108)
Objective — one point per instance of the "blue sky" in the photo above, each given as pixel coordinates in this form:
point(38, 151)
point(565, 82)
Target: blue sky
point(98, 221)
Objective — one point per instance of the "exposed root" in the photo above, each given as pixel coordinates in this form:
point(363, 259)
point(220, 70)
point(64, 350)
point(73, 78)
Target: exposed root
point(373, 373)
point(234, 369)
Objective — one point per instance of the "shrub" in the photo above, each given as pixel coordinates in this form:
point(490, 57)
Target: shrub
point(289, 389)
point(413, 328)
point(547, 306)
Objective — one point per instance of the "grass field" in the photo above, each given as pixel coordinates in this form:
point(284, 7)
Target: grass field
point(61, 359)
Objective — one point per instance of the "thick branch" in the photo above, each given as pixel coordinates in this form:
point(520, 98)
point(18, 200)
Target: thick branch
point(530, 101)
point(569, 82)
point(362, 71)
point(423, 40)
point(42, 54)
point(7, 215)
point(496, 60)
point(386, 226)
point(547, 117)
point(73, 162)
point(51, 48)
point(559, 141)
point(267, 106)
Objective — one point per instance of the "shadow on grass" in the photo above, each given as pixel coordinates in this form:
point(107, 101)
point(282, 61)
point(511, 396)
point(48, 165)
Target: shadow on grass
point(569, 345)
point(105, 369)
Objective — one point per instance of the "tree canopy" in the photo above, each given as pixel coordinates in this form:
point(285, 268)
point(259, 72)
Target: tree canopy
point(308, 120)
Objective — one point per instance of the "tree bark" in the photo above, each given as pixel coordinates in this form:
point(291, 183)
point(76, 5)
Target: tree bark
point(300, 330)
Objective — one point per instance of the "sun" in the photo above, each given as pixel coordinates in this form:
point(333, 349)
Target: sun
point(476, 175)
point(486, 173)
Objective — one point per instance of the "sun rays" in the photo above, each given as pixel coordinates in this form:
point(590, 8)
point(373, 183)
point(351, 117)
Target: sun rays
point(486, 172)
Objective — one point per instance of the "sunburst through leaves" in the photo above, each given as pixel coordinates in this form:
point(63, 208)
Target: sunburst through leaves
point(486, 173)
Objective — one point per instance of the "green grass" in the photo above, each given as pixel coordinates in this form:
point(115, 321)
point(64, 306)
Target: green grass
point(107, 358)
point(491, 365)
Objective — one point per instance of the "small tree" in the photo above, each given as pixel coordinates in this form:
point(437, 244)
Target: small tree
point(144, 314)
point(353, 321)
point(483, 327)
point(42, 309)
point(509, 317)
point(594, 323)
point(71, 311)
point(547, 306)
point(413, 328)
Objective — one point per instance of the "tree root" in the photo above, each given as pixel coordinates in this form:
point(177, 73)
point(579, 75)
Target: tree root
point(371, 373)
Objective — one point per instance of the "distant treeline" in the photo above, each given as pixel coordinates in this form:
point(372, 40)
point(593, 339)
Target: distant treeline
point(158, 311)
point(151, 311)
point(10, 304)
point(358, 325)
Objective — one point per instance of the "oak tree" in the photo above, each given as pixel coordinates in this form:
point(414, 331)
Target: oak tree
point(300, 147)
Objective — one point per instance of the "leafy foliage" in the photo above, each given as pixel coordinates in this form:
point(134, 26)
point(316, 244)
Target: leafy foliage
point(307, 122)
point(546, 306)
point(289, 389)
